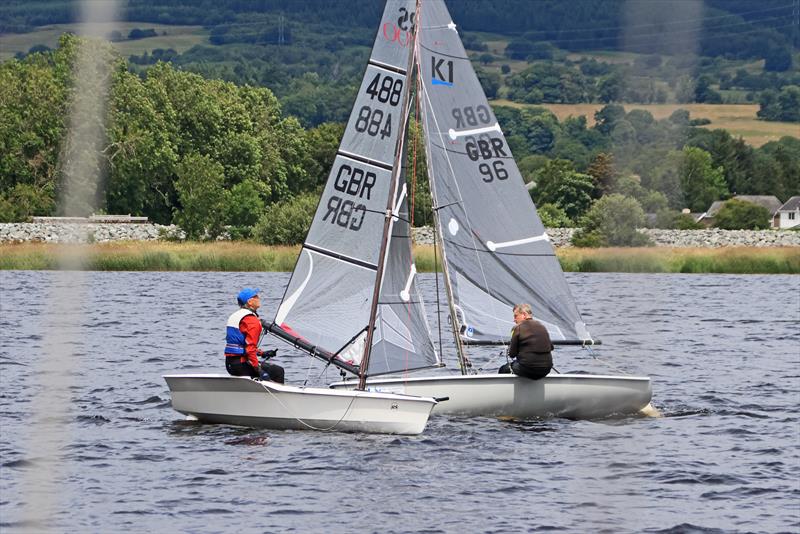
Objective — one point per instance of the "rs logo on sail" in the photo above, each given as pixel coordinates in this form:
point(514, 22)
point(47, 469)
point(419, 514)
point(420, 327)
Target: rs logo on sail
point(437, 76)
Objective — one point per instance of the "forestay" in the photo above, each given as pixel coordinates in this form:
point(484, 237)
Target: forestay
point(326, 307)
point(496, 249)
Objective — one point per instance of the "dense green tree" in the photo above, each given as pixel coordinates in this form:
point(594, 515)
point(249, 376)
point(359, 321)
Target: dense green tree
point(322, 142)
point(704, 94)
point(243, 207)
point(557, 183)
point(740, 215)
point(776, 166)
point(602, 172)
point(553, 216)
point(674, 219)
point(202, 197)
point(611, 88)
point(734, 156)
point(702, 183)
point(144, 149)
point(778, 59)
point(780, 106)
point(658, 169)
point(34, 98)
point(23, 201)
point(607, 118)
point(548, 82)
point(612, 221)
point(685, 90)
point(530, 164)
point(286, 222)
point(490, 81)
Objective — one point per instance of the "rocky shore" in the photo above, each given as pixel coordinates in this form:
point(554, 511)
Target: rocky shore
point(85, 233)
point(707, 238)
point(560, 237)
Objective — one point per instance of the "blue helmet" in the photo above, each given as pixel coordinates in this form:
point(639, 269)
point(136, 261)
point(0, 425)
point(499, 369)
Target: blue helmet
point(246, 294)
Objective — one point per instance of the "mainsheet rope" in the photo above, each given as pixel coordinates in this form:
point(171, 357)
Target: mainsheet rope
point(307, 425)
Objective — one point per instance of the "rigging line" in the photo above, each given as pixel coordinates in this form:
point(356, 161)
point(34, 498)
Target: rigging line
point(414, 160)
point(307, 425)
point(432, 187)
point(594, 356)
point(501, 353)
point(432, 114)
point(438, 291)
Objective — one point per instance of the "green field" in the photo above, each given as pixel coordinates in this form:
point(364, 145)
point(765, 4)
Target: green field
point(179, 38)
point(226, 256)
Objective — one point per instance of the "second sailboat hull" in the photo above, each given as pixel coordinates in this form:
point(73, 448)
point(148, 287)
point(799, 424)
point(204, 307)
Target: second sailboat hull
point(573, 396)
point(242, 401)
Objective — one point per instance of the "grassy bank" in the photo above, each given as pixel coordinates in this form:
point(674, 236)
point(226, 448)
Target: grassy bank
point(157, 256)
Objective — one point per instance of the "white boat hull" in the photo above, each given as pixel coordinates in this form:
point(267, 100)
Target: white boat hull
point(215, 398)
point(573, 396)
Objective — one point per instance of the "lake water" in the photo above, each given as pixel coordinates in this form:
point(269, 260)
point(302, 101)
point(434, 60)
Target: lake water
point(89, 442)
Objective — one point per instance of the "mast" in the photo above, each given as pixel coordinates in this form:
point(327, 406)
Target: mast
point(388, 216)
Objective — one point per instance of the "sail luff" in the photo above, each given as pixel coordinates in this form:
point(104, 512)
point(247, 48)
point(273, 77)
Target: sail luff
point(387, 225)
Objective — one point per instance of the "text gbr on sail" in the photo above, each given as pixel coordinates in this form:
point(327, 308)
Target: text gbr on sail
point(488, 150)
point(354, 182)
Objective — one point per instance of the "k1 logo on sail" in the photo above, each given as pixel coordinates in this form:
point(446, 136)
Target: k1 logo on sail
point(439, 76)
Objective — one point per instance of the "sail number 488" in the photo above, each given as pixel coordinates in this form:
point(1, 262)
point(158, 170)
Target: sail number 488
point(386, 90)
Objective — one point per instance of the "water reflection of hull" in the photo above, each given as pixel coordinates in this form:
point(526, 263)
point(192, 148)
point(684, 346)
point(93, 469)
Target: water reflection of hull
point(242, 401)
point(573, 396)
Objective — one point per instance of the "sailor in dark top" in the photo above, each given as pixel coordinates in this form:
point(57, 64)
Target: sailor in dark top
point(530, 346)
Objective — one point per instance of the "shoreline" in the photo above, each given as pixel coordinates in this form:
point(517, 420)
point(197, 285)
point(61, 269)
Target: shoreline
point(250, 257)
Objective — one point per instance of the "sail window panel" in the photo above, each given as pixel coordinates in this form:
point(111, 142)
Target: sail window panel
point(350, 214)
point(327, 300)
point(395, 35)
point(374, 123)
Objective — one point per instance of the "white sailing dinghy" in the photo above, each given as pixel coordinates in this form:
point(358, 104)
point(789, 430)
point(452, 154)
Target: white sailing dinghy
point(337, 291)
point(494, 249)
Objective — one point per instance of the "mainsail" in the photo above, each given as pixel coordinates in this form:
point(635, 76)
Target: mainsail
point(326, 307)
point(496, 249)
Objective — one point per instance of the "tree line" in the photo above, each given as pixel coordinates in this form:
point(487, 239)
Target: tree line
point(213, 156)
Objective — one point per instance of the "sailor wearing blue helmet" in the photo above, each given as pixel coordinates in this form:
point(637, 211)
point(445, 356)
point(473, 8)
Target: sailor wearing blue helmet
point(243, 332)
